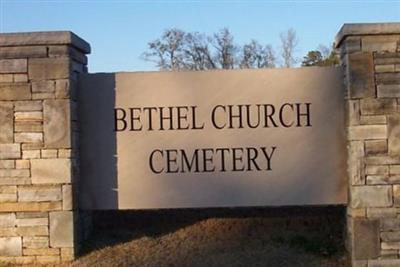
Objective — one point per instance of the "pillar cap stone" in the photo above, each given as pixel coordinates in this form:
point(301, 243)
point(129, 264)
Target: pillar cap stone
point(44, 38)
point(351, 29)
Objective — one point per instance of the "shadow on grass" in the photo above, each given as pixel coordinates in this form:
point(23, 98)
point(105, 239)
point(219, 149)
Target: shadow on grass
point(315, 230)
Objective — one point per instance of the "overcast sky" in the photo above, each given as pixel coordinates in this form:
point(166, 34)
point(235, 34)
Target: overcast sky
point(118, 31)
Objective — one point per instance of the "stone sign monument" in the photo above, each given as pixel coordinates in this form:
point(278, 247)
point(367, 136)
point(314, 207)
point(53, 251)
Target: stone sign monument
point(71, 142)
point(212, 139)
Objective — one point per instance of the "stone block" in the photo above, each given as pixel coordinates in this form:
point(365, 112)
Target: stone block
point(377, 179)
point(386, 55)
point(33, 231)
point(43, 86)
point(7, 164)
point(15, 181)
point(10, 151)
point(384, 68)
point(49, 153)
point(22, 164)
point(384, 263)
point(65, 153)
point(48, 259)
point(20, 260)
point(390, 236)
point(371, 196)
point(387, 78)
point(23, 52)
point(372, 119)
point(45, 171)
point(30, 214)
point(394, 169)
point(32, 146)
point(49, 68)
point(390, 224)
point(17, 91)
point(10, 246)
point(61, 229)
point(62, 88)
point(381, 212)
point(39, 193)
point(353, 112)
point(396, 195)
point(384, 160)
point(361, 75)
point(394, 179)
point(57, 124)
point(394, 134)
point(28, 105)
point(28, 126)
point(360, 213)
point(361, 263)
point(23, 137)
point(7, 220)
point(32, 222)
point(30, 206)
point(381, 106)
point(31, 154)
point(380, 43)
point(367, 132)
point(6, 78)
point(67, 51)
point(351, 44)
point(8, 196)
point(35, 242)
point(365, 241)
point(389, 90)
point(67, 197)
point(43, 96)
point(376, 169)
point(28, 116)
point(9, 231)
point(355, 163)
point(13, 65)
point(6, 122)
point(14, 173)
point(67, 254)
point(41, 251)
point(390, 245)
point(388, 60)
point(20, 78)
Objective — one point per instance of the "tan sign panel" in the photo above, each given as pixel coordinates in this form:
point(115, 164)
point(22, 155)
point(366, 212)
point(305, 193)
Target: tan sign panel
point(212, 139)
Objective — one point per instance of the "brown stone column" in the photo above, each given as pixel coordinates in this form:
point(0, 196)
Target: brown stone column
point(39, 159)
point(370, 56)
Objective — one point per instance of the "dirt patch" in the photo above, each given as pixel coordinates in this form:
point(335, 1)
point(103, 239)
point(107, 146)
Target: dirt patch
point(219, 237)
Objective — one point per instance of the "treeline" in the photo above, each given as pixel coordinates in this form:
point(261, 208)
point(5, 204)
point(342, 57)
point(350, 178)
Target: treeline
point(180, 50)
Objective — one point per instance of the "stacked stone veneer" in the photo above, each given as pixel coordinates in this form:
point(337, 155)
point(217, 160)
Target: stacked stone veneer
point(39, 163)
point(370, 56)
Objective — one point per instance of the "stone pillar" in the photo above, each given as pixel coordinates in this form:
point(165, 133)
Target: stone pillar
point(370, 57)
point(39, 159)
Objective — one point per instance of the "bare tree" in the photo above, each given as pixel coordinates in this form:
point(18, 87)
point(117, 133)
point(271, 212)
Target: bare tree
point(178, 50)
point(167, 51)
point(197, 54)
point(254, 55)
point(289, 42)
point(225, 49)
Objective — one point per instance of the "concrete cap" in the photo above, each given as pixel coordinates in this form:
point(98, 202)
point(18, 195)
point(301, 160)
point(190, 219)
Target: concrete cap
point(366, 29)
point(44, 38)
